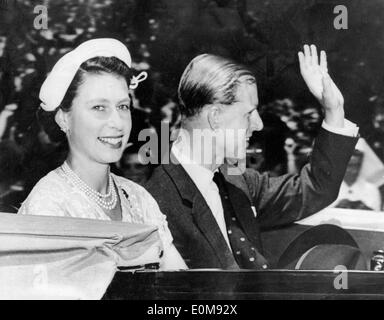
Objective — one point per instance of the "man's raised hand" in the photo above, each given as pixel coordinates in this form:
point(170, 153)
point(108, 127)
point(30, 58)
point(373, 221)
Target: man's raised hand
point(315, 75)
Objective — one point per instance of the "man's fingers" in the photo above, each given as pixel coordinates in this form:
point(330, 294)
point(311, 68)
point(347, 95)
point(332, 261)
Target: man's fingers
point(323, 62)
point(307, 55)
point(301, 60)
point(314, 57)
point(11, 107)
point(6, 114)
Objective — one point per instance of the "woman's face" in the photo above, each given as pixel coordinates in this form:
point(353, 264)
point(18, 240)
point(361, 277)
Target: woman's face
point(99, 121)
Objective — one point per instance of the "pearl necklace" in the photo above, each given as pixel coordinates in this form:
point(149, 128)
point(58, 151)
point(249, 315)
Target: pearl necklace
point(98, 197)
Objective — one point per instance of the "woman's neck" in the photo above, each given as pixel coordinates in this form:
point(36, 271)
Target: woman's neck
point(94, 174)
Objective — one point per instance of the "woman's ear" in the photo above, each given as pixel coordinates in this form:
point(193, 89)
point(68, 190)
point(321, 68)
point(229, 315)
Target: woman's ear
point(61, 119)
point(213, 117)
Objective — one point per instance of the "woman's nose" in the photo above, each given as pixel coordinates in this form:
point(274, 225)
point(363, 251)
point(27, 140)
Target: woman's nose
point(115, 120)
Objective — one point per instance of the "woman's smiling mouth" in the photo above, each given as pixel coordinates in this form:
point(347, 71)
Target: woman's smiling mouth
point(113, 142)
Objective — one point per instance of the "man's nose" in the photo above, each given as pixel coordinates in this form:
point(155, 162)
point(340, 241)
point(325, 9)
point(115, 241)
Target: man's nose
point(256, 122)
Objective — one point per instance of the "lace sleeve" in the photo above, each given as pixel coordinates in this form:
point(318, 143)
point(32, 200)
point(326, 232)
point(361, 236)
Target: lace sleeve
point(45, 199)
point(148, 211)
point(160, 219)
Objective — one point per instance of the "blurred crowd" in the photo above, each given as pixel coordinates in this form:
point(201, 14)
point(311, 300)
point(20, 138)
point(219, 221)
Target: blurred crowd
point(27, 54)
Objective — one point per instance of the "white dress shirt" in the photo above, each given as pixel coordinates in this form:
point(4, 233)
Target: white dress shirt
point(203, 177)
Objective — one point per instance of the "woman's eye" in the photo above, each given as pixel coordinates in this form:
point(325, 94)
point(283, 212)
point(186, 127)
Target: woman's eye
point(126, 107)
point(98, 108)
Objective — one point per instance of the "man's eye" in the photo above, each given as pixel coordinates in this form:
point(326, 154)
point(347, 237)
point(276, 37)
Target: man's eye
point(98, 108)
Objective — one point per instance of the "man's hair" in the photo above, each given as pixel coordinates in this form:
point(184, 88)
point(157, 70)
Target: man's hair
point(210, 79)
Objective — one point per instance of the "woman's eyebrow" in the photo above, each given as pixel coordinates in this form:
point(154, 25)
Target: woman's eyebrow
point(103, 100)
point(97, 100)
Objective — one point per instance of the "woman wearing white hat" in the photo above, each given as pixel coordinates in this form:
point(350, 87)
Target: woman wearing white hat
point(86, 98)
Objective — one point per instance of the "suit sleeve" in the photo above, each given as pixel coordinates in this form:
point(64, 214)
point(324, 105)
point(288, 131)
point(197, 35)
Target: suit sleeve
point(285, 199)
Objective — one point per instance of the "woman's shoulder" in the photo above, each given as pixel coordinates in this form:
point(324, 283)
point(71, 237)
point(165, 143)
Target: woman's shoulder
point(52, 181)
point(48, 191)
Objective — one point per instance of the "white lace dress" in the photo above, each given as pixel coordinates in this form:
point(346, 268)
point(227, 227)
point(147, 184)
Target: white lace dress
point(56, 195)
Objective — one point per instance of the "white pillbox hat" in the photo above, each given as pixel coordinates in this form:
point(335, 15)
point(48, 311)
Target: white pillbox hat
point(55, 86)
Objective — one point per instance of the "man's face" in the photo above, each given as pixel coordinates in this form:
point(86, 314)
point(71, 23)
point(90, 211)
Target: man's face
point(239, 120)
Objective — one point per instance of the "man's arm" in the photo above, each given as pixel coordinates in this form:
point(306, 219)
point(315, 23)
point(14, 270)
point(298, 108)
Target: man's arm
point(321, 85)
point(288, 198)
point(285, 199)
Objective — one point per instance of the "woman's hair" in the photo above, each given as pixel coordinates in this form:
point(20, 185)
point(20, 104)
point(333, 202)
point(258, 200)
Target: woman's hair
point(210, 79)
point(97, 65)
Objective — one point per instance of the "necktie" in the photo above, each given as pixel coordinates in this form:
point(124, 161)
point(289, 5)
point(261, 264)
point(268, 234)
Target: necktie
point(245, 253)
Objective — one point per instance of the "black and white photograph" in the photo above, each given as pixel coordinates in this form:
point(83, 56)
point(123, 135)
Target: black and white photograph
point(191, 151)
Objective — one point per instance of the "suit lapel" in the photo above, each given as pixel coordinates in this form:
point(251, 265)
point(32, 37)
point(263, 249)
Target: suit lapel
point(202, 215)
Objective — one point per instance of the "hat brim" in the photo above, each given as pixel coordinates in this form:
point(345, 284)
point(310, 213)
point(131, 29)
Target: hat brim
point(322, 248)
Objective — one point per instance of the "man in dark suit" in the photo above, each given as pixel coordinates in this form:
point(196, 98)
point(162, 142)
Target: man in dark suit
point(215, 208)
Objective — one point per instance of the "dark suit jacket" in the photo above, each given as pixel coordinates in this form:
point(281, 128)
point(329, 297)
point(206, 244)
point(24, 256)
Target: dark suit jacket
point(278, 201)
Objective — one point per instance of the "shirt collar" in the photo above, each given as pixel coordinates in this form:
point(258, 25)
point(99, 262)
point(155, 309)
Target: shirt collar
point(200, 175)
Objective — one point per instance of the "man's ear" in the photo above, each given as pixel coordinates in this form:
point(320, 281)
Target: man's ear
point(61, 119)
point(213, 117)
